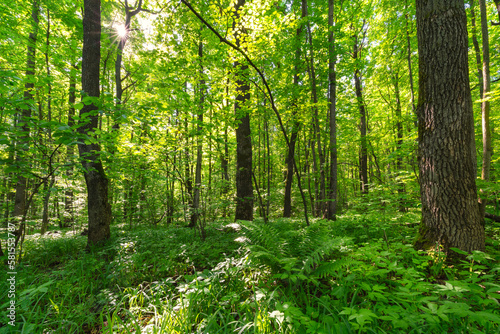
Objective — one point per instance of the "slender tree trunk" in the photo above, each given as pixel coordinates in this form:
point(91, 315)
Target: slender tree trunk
point(244, 187)
point(410, 72)
point(399, 142)
point(70, 150)
point(99, 209)
point(199, 150)
point(485, 105)
point(332, 109)
point(477, 50)
point(450, 214)
point(363, 156)
point(45, 214)
point(269, 168)
point(287, 206)
point(47, 185)
point(23, 142)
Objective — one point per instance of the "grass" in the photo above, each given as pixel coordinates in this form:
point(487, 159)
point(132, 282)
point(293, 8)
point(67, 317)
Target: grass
point(356, 275)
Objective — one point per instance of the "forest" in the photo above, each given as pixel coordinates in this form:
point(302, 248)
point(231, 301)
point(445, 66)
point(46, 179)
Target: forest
point(249, 166)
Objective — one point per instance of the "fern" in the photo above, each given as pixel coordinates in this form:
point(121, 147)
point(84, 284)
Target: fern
point(285, 248)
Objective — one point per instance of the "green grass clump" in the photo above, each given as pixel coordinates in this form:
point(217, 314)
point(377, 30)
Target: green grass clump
point(359, 274)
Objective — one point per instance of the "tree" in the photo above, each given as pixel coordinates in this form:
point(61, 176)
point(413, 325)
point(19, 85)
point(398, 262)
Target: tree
point(485, 105)
point(99, 209)
point(450, 214)
point(332, 109)
point(244, 188)
point(23, 140)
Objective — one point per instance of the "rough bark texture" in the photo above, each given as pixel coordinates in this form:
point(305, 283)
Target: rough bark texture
point(99, 209)
point(244, 187)
point(450, 214)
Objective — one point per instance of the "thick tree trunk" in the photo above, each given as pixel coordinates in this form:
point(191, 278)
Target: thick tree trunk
point(332, 109)
point(99, 209)
point(485, 105)
point(244, 187)
point(450, 214)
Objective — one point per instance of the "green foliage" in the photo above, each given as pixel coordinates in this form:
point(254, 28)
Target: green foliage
point(289, 252)
point(359, 274)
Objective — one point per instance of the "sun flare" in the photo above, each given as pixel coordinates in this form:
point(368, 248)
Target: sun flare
point(121, 31)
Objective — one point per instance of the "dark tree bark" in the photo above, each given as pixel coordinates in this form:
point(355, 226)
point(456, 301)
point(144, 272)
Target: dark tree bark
point(23, 142)
point(363, 155)
point(332, 109)
point(244, 187)
point(99, 209)
point(450, 214)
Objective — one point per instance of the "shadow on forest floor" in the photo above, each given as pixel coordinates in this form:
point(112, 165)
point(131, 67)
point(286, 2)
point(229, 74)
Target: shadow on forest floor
point(358, 274)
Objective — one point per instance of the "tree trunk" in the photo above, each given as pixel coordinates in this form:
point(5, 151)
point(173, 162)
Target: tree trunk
point(320, 204)
point(410, 72)
point(244, 187)
point(477, 50)
point(363, 156)
point(287, 206)
point(23, 142)
point(450, 214)
point(70, 150)
point(399, 143)
point(332, 109)
point(485, 105)
point(99, 209)
point(199, 150)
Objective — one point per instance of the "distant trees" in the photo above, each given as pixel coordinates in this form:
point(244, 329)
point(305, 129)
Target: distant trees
point(450, 212)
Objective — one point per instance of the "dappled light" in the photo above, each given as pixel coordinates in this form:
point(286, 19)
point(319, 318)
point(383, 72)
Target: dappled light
point(249, 167)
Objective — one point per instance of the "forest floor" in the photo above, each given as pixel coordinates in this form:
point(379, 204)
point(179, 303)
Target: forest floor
point(359, 274)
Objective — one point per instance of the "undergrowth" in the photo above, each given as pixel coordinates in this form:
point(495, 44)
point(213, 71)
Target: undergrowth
point(359, 274)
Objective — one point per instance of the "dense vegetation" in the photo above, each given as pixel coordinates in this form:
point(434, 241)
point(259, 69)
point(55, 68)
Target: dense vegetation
point(249, 166)
point(358, 274)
